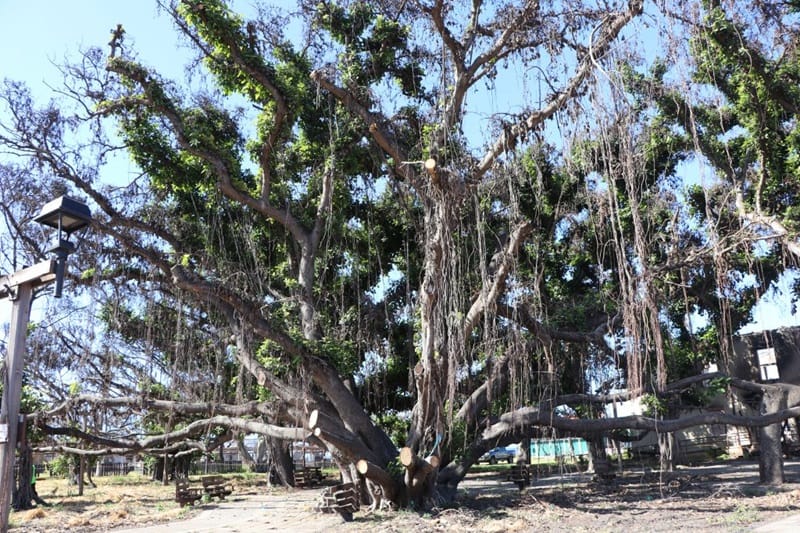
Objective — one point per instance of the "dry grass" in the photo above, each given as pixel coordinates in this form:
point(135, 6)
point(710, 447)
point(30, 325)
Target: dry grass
point(130, 500)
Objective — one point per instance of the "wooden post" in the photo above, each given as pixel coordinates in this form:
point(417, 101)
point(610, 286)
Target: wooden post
point(12, 390)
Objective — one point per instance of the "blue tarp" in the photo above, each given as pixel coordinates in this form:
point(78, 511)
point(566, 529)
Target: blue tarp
point(559, 447)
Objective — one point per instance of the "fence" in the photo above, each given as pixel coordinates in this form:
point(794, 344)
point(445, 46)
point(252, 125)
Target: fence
point(225, 467)
point(197, 468)
point(115, 469)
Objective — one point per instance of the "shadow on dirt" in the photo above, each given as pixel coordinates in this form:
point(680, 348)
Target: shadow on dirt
point(734, 485)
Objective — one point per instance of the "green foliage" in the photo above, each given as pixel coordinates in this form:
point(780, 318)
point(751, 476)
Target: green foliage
point(376, 45)
point(653, 406)
point(61, 465)
point(394, 425)
point(702, 395)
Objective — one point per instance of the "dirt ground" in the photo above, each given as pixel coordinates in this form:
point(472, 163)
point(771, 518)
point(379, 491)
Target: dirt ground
point(722, 497)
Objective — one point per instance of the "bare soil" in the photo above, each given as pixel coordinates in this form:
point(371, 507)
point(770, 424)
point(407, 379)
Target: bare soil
point(719, 497)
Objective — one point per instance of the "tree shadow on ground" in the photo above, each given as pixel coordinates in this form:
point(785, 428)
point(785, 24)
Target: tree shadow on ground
point(732, 487)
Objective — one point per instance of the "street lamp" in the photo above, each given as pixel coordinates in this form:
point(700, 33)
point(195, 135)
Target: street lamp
point(67, 216)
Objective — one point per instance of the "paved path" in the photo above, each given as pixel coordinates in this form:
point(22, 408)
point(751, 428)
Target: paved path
point(786, 525)
point(279, 511)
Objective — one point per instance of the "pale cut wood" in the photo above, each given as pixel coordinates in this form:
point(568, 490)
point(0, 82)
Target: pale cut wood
point(406, 456)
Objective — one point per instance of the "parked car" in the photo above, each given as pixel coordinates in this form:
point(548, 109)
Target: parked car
point(495, 455)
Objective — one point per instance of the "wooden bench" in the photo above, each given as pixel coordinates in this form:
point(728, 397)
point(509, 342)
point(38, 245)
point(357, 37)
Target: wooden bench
point(216, 486)
point(342, 499)
point(307, 476)
point(186, 494)
point(521, 475)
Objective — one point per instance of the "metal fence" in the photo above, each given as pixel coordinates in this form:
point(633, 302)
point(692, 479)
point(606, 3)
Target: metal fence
point(226, 467)
point(116, 469)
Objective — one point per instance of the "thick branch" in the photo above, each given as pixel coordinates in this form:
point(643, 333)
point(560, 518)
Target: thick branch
point(197, 427)
point(765, 221)
point(490, 294)
point(378, 475)
point(217, 162)
point(320, 370)
point(384, 138)
point(141, 404)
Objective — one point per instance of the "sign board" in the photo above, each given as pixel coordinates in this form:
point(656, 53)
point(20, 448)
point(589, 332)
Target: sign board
point(766, 356)
point(768, 364)
point(3, 432)
point(769, 372)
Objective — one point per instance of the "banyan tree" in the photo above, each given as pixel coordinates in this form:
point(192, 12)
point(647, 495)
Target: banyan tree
point(409, 231)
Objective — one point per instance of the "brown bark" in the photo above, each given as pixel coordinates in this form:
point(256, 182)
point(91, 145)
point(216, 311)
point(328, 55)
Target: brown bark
point(420, 477)
point(23, 491)
point(666, 451)
point(599, 463)
point(281, 463)
point(387, 488)
point(523, 455)
point(770, 459)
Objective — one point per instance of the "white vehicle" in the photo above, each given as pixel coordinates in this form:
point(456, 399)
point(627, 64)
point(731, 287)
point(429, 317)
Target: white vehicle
point(495, 455)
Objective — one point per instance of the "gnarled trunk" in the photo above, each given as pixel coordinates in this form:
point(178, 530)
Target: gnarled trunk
point(770, 460)
point(281, 469)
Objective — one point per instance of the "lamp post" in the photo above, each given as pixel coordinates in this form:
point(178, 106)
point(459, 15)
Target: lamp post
point(67, 216)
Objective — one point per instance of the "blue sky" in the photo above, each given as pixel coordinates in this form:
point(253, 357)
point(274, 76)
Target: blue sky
point(37, 33)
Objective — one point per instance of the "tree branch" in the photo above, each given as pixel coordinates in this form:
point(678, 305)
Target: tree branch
point(612, 26)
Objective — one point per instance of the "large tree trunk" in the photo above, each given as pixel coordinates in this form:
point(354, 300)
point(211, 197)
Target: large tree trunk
point(81, 471)
point(770, 462)
point(247, 459)
point(523, 455)
point(281, 469)
point(598, 459)
point(440, 341)
point(23, 495)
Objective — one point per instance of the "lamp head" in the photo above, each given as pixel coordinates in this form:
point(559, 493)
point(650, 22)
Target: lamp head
point(67, 216)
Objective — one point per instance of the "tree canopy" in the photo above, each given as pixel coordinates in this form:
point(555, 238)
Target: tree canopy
point(337, 233)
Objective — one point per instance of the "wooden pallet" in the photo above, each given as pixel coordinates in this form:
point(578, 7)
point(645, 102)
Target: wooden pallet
point(342, 499)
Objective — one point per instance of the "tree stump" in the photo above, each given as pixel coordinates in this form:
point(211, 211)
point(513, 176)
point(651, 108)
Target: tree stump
point(420, 476)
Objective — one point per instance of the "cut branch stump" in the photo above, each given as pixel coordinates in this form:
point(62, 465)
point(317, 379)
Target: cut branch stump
point(386, 485)
point(420, 476)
